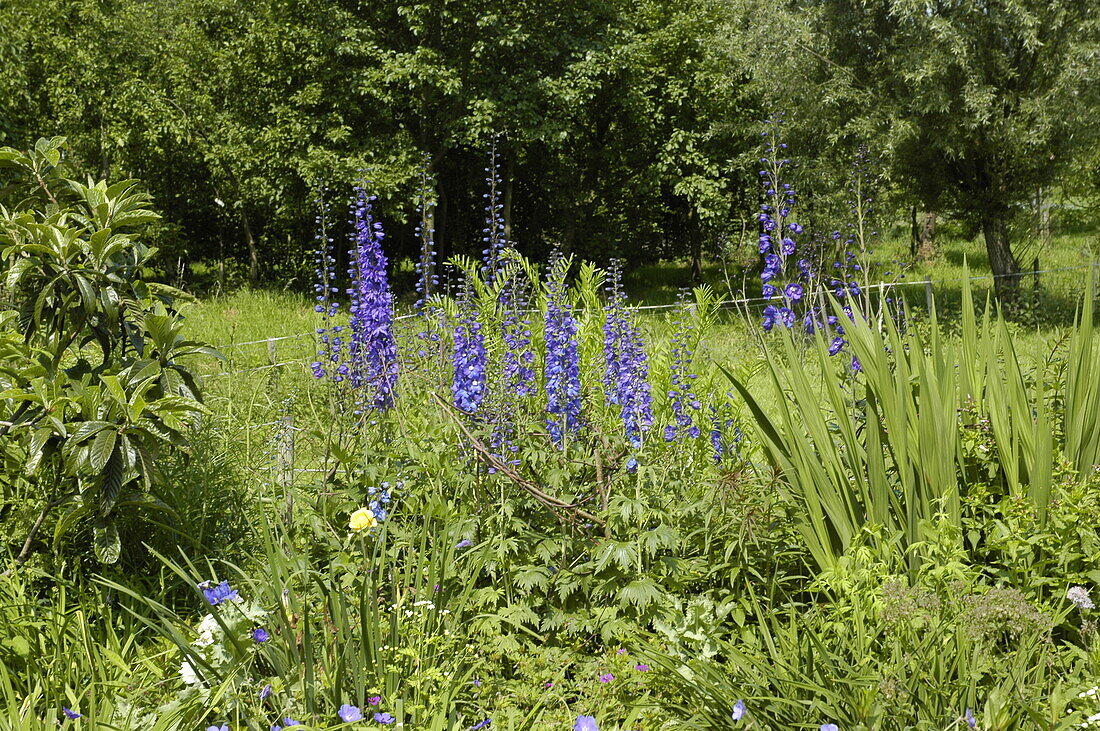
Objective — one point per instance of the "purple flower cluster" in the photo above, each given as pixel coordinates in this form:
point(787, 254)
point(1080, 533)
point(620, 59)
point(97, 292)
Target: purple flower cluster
point(777, 242)
point(468, 387)
point(373, 347)
point(626, 377)
point(519, 358)
point(494, 238)
point(681, 394)
point(215, 595)
point(563, 373)
point(329, 352)
point(725, 437)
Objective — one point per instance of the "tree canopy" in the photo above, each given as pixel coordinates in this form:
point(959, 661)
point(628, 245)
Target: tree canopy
point(622, 128)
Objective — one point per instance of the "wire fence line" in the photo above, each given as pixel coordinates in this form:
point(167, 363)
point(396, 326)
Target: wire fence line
point(726, 304)
point(287, 455)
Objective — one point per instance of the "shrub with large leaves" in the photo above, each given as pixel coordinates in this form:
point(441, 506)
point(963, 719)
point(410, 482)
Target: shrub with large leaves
point(92, 372)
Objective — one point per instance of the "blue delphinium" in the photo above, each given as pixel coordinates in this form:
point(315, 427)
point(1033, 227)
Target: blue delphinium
point(329, 355)
point(518, 373)
point(777, 238)
point(563, 376)
point(494, 239)
point(724, 435)
point(626, 374)
point(373, 347)
point(378, 500)
point(426, 278)
point(519, 358)
point(468, 356)
point(681, 392)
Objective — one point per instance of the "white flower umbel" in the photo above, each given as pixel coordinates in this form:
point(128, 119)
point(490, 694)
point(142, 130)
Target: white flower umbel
point(1079, 595)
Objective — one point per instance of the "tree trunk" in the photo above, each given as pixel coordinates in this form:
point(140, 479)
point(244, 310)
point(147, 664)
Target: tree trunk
point(1006, 270)
point(926, 247)
point(253, 255)
point(914, 233)
point(695, 232)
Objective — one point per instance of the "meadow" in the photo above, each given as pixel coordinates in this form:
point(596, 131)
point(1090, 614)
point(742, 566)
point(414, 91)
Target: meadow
point(546, 496)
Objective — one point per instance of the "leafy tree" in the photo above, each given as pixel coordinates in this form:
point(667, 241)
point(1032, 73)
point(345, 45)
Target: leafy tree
point(617, 120)
point(982, 101)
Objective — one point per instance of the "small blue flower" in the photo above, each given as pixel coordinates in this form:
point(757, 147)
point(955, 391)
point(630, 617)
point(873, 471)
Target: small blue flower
point(970, 720)
point(223, 727)
point(464, 543)
point(260, 635)
point(215, 595)
point(265, 691)
point(70, 713)
point(738, 710)
point(384, 718)
point(349, 713)
point(829, 727)
point(481, 724)
point(586, 723)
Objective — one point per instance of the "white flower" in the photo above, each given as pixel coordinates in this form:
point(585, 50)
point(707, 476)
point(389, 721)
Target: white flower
point(207, 627)
point(187, 674)
point(1079, 595)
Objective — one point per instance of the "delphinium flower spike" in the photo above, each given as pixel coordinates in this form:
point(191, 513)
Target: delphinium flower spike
point(778, 232)
point(681, 390)
point(373, 348)
point(626, 373)
point(329, 351)
point(427, 280)
point(519, 358)
point(468, 355)
point(518, 373)
point(494, 238)
point(563, 378)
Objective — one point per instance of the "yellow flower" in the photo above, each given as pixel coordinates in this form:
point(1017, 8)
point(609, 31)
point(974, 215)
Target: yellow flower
point(362, 519)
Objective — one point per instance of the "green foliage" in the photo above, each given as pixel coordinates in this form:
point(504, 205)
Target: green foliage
point(75, 650)
point(94, 384)
point(890, 448)
point(879, 650)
